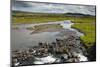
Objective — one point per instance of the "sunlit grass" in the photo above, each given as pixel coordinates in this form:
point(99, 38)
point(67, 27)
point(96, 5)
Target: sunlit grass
point(89, 30)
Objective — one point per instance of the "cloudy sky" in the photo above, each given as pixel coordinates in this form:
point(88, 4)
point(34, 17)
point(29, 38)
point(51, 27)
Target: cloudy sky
point(52, 8)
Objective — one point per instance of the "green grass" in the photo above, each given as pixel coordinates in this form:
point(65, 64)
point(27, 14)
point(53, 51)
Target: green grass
point(89, 30)
point(87, 26)
point(26, 18)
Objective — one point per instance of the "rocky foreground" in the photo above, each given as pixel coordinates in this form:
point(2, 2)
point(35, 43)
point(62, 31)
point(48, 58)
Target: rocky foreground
point(69, 49)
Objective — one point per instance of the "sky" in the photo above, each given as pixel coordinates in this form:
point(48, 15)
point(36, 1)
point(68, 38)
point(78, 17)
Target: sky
point(52, 8)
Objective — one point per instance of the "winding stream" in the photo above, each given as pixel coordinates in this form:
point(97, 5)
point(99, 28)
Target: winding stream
point(21, 37)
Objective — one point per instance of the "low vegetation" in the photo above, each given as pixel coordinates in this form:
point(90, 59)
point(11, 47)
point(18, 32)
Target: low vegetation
point(48, 26)
point(89, 30)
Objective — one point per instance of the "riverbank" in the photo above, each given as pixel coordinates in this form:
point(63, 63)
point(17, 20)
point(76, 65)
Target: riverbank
point(89, 30)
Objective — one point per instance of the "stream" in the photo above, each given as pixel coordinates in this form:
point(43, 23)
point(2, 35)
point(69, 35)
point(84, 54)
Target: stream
point(21, 39)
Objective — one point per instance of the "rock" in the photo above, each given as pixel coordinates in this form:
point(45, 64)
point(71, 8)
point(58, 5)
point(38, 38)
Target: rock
point(65, 56)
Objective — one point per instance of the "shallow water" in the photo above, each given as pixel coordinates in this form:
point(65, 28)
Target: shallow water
point(21, 37)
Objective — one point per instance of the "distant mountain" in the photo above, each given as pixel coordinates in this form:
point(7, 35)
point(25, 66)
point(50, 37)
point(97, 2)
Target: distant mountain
point(61, 14)
point(76, 14)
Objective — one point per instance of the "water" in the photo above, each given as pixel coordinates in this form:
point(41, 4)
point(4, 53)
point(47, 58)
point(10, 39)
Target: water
point(68, 24)
point(21, 37)
point(51, 59)
point(48, 59)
